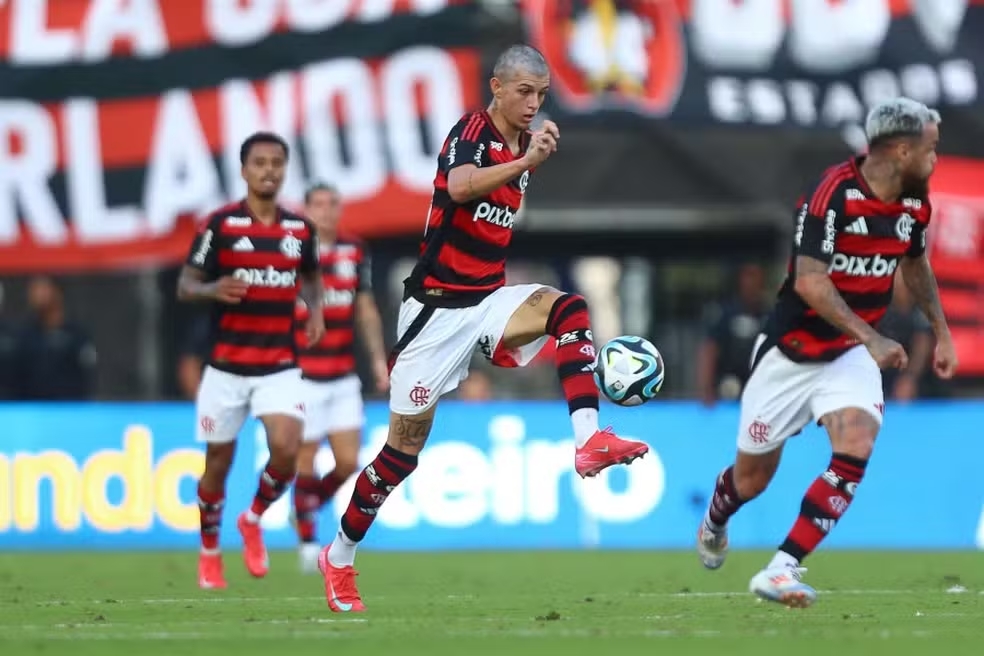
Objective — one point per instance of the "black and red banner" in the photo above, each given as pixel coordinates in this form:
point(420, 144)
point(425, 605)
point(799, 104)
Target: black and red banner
point(796, 63)
point(120, 122)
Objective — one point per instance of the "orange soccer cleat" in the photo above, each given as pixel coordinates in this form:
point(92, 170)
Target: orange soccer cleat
point(340, 589)
point(210, 575)
point(254, 551)
point(605, 449)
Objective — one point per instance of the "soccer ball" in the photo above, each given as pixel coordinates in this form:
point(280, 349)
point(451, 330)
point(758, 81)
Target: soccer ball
point(629, 370)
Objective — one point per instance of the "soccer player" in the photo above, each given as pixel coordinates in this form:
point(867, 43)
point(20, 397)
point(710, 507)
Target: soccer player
point(819, 358)
point(456, 301)
point(249, 261)
point(333, 399)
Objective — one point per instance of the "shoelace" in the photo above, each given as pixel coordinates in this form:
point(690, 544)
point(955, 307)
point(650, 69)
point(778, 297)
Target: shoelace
point(346, 587)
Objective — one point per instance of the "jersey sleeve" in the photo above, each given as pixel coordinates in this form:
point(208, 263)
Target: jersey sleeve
point(310, 252)
point(917, 243)
point(818, 222)
point(204, 253)
point(363, 272)
point(464, 144)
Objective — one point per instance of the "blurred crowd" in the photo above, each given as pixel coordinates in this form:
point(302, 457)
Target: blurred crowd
point(46, 354)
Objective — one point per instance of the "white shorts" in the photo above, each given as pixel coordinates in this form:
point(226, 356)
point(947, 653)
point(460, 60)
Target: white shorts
point(437, 352)
point(332, 406)
point(225, 400)
point(782, 396)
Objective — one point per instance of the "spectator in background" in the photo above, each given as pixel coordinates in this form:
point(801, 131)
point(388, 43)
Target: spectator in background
point(56, 358)
point(723, 357)
point(8, 360)
point(908, 326)
point(192, 354)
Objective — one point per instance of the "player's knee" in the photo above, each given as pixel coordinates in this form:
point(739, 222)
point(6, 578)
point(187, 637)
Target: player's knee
point(752, 474)
point(408, 433)
point(852, 432)
point(306, 454)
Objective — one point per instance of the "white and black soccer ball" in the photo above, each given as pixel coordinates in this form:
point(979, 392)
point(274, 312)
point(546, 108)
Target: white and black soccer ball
point(629, 370)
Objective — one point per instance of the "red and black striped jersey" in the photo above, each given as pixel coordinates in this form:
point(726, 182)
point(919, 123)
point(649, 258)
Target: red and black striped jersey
point(861, 238)
point(345, 270)
point(463, 253)
point(255, 337)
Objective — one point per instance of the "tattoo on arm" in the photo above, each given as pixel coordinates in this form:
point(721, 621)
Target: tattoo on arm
point(412, 432)
point(192, 285)
point(919, 278)
point(814, 286)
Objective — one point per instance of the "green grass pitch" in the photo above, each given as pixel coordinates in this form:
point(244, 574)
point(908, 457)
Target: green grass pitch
point(503, 604)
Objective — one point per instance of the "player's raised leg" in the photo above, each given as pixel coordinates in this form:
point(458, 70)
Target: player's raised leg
point(221, 409)
point(565, 317)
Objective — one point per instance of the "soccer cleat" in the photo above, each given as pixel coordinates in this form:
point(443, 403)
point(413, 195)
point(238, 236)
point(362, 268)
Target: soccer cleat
point(254, 551)
point(340, 590)
point(783, 585)
point(712, 546)
point(605, 449)
point(210, 576)
point(307, 555)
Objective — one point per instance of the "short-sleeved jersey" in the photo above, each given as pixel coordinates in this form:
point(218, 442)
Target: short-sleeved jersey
point(346, 273)
point(463, 253)
point(255, 337)
point(843, 224)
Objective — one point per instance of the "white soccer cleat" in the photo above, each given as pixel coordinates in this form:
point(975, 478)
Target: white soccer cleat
point(308, 557)
point(783, 585)
point(712, 546)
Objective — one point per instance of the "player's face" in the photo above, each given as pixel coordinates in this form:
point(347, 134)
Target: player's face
point(264, 170)
point(520, 98)
point(324, 208)
point(919, 160)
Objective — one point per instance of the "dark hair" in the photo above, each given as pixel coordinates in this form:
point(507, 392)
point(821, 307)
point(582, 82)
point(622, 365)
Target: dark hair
point(261, 138)
point(316, 187)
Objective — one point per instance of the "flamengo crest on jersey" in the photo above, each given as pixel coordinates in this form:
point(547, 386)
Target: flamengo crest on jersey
point(861, 240)
point(463, 253)
point(345, 272)
point(254, 337)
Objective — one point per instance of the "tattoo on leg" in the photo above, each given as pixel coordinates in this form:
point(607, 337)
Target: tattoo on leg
point(840, 421)
point(535, 299)
point(412, 433)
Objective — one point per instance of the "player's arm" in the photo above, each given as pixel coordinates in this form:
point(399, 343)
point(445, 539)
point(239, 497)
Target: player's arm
point(197, 280)
point(369, 322)
point(312, 290)
point(468, 179)
point(919, 278)
point(814, 250)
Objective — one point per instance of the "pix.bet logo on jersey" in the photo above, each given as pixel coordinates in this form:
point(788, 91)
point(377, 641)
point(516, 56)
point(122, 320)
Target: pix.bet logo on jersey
point(628, 54)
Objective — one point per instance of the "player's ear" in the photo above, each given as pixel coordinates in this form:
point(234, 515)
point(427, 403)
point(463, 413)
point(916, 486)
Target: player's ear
point(496, 87)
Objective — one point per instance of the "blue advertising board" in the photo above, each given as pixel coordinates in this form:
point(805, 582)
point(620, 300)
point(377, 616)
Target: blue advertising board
point(494, 475)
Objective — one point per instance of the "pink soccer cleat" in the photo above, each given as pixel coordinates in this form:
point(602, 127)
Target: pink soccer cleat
point(254, 551)
point(340, 590)
point(210, 576)
point(605, 449)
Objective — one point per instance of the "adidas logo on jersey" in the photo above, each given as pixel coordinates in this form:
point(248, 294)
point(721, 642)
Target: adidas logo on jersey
point(854, 265)
point(859, 227)
point(244, 245)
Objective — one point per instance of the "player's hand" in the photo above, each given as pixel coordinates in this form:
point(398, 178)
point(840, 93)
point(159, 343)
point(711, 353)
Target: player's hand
point(887, 352)
point(542, 145)
point(380, 374)
point(314, 329)
point(945, 358)
point(229, 290)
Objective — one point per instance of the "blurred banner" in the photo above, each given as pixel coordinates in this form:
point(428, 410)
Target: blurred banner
point(493, 476)
point(121, 121)
point(801, 63)
point(956, 249)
